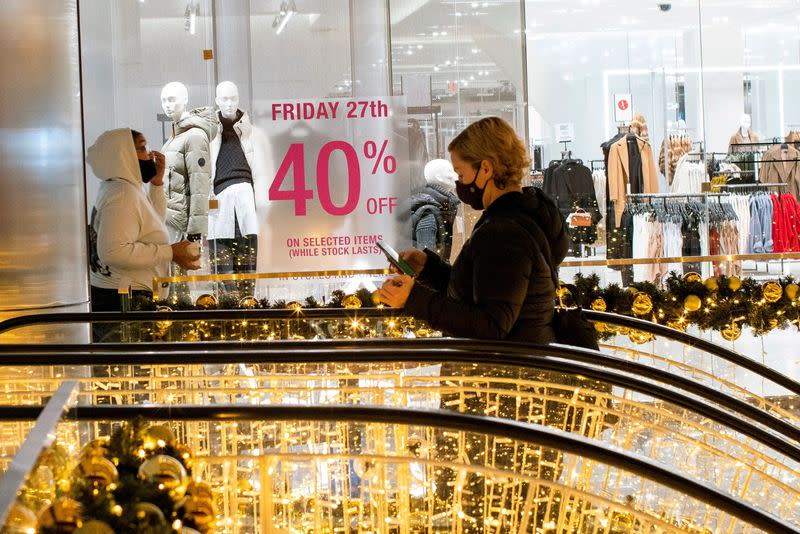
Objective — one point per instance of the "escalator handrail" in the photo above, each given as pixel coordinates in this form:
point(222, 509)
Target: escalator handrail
point(551, 358)
point(331, 313)
point(540, 435)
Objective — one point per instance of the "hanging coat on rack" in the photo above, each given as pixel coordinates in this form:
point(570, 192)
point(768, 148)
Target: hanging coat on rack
point(625, 168)
point(776, 169)
point(569, 183)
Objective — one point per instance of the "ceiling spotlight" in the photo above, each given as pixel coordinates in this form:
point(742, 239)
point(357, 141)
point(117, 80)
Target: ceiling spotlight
point(190, 17)
point(288, 9)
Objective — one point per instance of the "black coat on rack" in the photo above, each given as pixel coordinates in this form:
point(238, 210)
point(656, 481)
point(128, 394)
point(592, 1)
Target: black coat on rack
point(569, 183)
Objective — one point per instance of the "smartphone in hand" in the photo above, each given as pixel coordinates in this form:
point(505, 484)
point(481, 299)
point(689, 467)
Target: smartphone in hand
point(395, 259)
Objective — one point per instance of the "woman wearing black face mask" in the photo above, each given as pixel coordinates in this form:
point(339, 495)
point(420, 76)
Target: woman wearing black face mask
point(128, 238)
point(502, 284)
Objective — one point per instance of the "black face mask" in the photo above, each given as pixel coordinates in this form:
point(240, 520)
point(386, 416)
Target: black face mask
point(148, 169)
point(471, 194)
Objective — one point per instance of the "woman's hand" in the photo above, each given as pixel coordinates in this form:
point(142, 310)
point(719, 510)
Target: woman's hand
point(394, 291)
point(415, 259)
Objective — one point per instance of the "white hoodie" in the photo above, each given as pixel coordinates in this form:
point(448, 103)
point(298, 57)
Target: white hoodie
point(132, 245)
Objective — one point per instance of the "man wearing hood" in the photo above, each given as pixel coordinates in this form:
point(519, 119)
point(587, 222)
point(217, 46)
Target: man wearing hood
point(128, 237)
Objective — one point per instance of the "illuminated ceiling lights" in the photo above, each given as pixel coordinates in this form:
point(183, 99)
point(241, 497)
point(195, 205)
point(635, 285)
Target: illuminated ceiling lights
point(282, 18)
point(190, 17)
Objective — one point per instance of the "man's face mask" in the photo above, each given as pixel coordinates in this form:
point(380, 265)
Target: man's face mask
point(471, 194)
point(148, 169)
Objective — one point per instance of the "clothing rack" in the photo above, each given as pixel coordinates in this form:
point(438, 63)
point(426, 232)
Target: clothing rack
point(597, 164)
point(774, 141)
point(687, 196)
point(756, 185)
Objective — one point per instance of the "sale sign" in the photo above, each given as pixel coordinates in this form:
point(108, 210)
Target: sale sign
point(335, 176)
point(623, 108)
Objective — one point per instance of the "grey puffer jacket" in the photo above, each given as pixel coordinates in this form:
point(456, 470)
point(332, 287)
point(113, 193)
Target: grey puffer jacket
point(189, 178)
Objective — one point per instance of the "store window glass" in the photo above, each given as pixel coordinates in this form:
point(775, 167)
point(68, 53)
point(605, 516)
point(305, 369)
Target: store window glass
point(598, 73)
point(456, 62)
point(130, 50)
point(751, 74)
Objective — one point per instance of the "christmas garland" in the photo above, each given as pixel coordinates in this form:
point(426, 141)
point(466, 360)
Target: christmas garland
point(724, 304)
point(138, 480)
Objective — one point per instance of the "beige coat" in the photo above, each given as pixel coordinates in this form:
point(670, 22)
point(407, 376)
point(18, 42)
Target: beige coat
point(775, 169)
point(738, 139)
point(619, 173)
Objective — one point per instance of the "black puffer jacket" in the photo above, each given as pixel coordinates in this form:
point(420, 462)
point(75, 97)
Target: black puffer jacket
point(500, 285)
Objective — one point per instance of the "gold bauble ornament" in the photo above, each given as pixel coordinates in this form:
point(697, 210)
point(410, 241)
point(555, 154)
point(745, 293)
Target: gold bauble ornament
point(642, 304)
point(691, 278)
point(248, 303)
point(163, 470)
point(639, 337)
point(159, 433)
point(773, 324)
point(96, 470)
point(734, 284)
point(20, 520)
point(96, 447)
point(376, 298)
point(424, 332)
point(64, 515)
point(692, 303)
point(200, 490)
point(792, 290)
point(200, 511)
point(601, 327)
point(206, 301)
point(678, 325)
point(711, 284)
point(95, 527)
point(351, 302)
point(599, 305)
point(731, 332)
point(772, 292)
point(294, 305)
point(149, 516)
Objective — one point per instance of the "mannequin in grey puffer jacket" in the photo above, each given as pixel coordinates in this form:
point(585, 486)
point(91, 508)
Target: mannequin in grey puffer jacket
point(189, 179)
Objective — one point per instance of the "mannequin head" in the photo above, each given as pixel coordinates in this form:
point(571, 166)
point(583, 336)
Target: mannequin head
point(228, 99)
point(440, 172)
point(744, 122)
point(174, 99)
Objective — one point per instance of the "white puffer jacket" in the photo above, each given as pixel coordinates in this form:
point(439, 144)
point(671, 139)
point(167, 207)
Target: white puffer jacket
point(129, 241)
